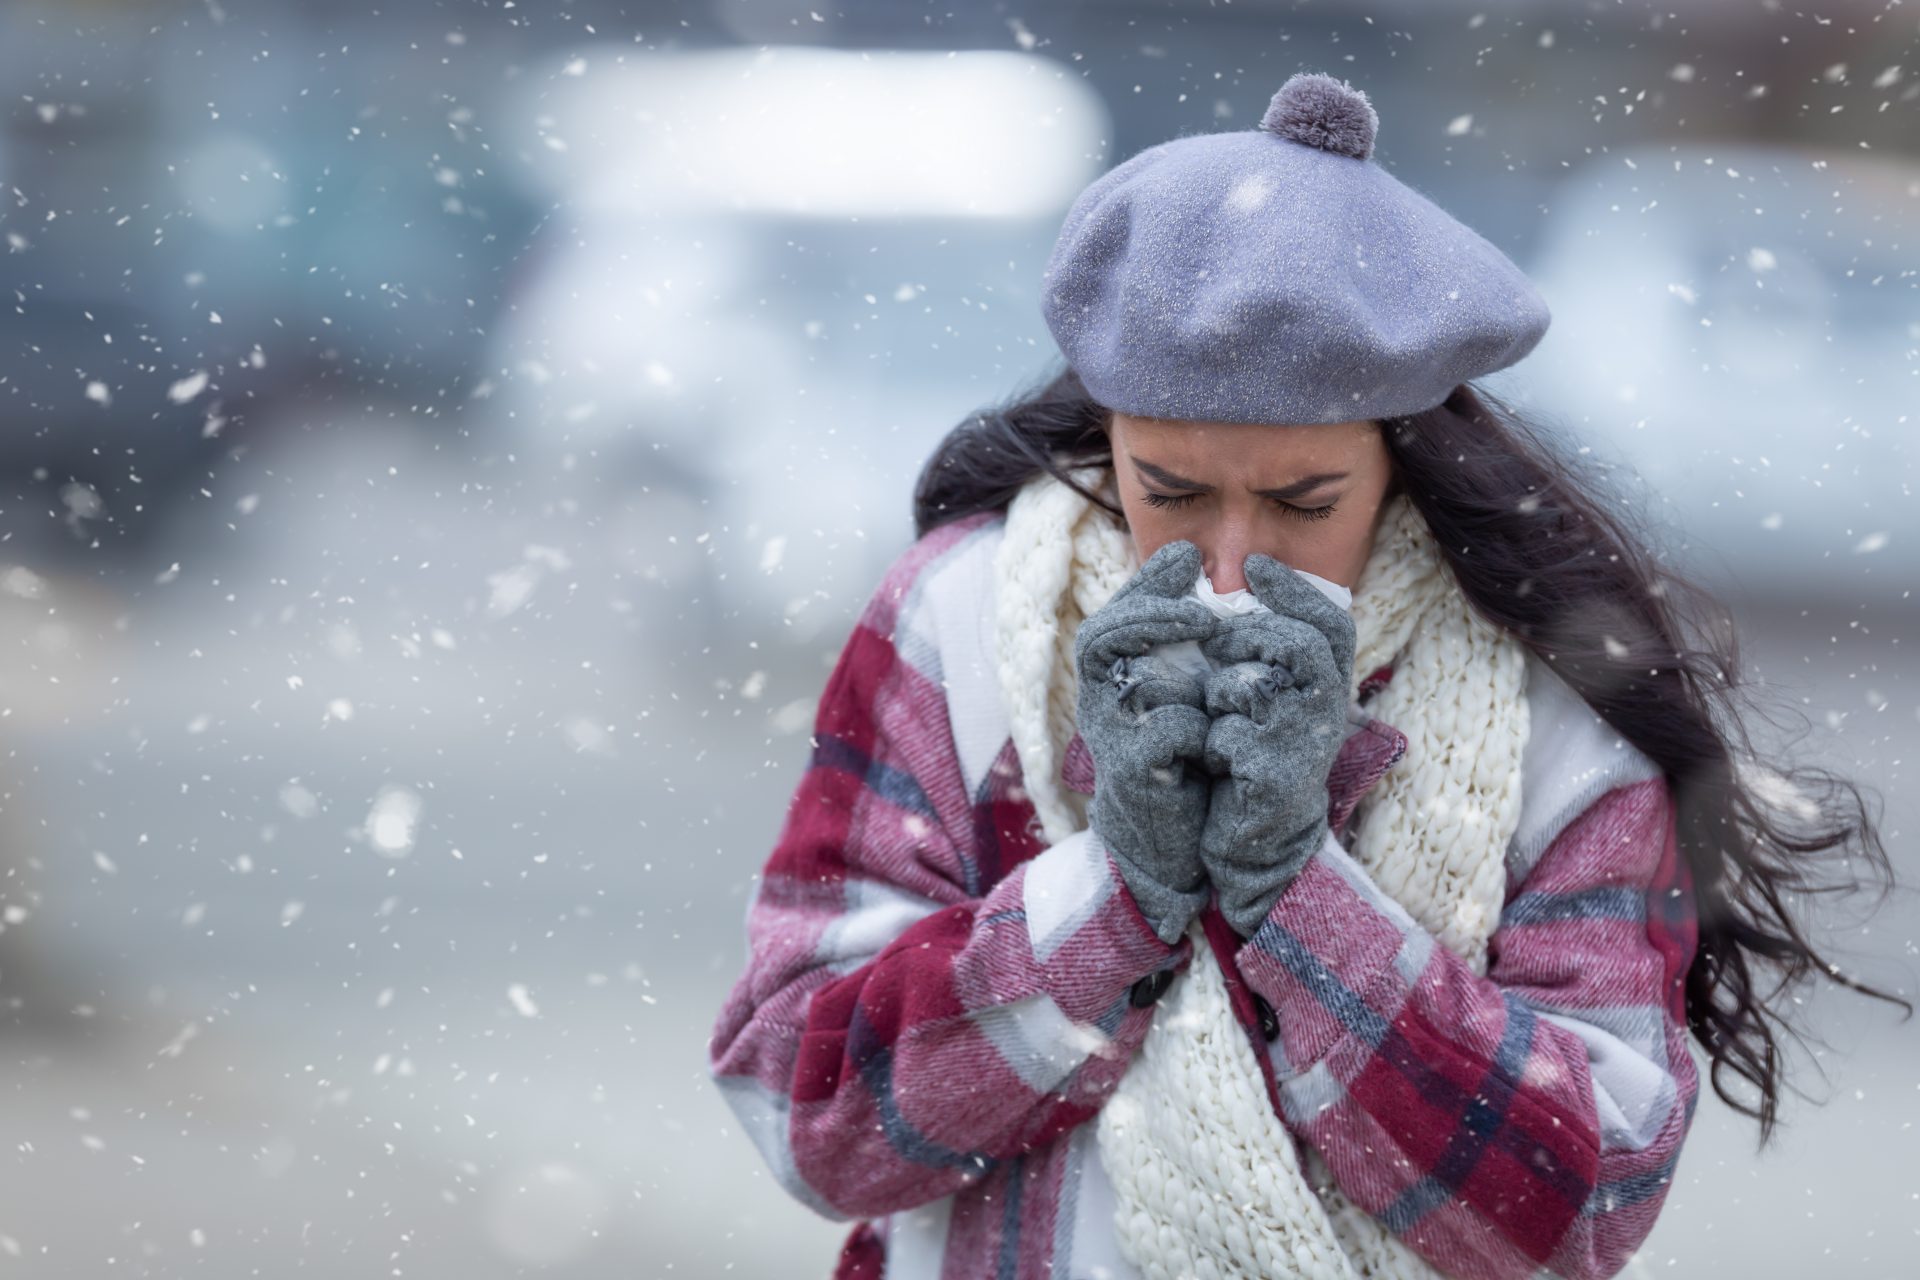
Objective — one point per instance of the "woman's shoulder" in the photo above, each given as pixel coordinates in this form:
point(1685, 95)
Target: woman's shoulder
point(947, 564)
point(1572, 758)
point(937, 606)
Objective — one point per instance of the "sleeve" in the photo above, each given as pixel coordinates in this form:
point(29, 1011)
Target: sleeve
point(1502, 1125)
point(895, 1036)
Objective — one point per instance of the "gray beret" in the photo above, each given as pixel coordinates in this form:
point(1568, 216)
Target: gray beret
point(1278, 274)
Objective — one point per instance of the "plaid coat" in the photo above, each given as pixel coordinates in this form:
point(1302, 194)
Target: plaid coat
point(934, 1003)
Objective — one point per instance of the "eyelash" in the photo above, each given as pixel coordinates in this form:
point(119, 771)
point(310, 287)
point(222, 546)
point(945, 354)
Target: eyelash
point(1302, 513)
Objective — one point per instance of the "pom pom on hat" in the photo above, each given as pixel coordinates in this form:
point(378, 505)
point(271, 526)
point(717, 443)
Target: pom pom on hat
point(1316, 110)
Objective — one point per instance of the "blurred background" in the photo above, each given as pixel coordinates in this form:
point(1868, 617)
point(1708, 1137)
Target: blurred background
point(446, 444)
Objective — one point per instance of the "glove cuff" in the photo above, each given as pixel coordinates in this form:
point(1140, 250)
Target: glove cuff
point(1248, 896)
point(1167, 909)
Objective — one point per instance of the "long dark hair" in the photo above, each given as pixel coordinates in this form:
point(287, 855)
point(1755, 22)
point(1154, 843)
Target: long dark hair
point(1541, 547)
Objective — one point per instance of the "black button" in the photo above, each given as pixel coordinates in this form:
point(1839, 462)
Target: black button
point(1269, 1024)
point(1151, 988)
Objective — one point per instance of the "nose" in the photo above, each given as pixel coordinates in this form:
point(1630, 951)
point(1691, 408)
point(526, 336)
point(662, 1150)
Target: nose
point(1225, 563)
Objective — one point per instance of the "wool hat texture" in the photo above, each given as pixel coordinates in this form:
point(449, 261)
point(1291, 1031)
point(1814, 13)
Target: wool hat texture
point(1279, 274)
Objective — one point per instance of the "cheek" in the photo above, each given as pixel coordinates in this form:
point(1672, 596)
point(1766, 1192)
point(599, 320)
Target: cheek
point(1146, 538)
point(1153, 527)
point(1335, 548)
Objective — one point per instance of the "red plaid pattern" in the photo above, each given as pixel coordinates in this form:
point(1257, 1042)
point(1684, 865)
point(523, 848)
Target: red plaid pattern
point(933, 1001)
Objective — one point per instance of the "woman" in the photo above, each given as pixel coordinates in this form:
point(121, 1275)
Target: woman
point(1291, 700)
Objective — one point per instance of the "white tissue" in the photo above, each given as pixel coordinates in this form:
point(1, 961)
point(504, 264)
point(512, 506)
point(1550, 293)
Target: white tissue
point(1186, 655)
point(1242, 601)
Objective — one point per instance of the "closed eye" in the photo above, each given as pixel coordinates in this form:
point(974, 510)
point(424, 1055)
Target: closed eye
point(1175, 501)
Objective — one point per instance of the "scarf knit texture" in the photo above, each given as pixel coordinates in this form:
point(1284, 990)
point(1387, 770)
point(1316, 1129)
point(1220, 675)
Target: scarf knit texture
point(1209, 1182)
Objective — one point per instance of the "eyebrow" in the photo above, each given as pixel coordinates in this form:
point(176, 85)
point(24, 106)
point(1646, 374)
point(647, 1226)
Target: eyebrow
point(1303, 485)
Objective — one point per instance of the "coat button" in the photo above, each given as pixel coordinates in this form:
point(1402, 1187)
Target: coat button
point(1269, 1024)
point(1151, 988)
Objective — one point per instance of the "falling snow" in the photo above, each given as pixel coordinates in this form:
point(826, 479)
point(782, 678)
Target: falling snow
point(451, 448)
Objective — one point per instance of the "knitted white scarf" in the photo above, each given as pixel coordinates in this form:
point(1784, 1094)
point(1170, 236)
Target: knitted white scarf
point(1208, 1181)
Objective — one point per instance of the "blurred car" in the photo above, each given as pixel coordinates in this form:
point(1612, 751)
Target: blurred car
point(1741, 325)
point(176, 257)
point(756, 334)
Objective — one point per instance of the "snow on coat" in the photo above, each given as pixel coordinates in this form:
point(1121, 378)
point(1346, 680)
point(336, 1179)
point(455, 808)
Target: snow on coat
point(935, 1002)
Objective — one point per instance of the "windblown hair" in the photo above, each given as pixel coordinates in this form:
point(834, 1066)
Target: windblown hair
point(1541, 547)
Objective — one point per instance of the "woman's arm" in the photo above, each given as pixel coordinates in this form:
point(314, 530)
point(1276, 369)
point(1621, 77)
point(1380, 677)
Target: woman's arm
point(894, 1036)
point(1527, 1119)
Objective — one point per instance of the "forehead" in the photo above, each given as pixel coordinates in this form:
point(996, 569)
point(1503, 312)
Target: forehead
point(1193, 447)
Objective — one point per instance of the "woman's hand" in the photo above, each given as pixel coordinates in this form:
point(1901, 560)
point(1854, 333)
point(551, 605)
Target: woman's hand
point(1145, 724)
point(1279, 708)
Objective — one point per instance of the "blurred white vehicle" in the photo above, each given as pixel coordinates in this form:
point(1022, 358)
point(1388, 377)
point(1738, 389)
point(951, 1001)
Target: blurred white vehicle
point(773, 280)
point(1742, 326)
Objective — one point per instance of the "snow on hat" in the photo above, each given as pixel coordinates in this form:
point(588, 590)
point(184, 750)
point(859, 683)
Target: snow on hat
point(1278, 274)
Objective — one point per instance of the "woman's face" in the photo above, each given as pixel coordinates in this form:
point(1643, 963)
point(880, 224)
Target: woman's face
point(1309, 495)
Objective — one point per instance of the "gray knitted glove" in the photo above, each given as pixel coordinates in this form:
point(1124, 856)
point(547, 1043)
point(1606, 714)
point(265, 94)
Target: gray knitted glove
point(1144, 724)
point(1279, 702)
